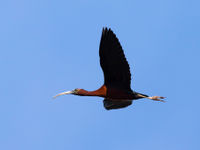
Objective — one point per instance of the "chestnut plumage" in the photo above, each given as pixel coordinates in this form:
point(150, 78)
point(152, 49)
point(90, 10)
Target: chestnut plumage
point(117, 77)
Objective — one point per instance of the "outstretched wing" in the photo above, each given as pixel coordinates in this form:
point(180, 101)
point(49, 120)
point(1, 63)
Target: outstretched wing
point(116, 104)
point(113, 62)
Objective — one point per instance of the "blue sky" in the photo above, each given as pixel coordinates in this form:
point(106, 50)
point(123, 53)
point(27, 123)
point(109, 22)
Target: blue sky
point(51, 46)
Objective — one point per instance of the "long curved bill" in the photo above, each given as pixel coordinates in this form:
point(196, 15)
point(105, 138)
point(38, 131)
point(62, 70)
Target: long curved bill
point(63, 93)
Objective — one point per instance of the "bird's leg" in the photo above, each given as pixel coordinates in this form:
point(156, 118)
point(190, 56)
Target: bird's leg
point(156, 98)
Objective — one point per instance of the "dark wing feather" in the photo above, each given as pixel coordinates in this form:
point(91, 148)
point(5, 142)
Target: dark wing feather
point(113, 62)
point(116, 104)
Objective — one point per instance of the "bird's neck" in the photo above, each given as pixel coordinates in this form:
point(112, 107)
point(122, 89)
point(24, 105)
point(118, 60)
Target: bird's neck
point(100, 92)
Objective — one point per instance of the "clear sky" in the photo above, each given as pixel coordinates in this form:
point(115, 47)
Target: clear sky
point(47, 47)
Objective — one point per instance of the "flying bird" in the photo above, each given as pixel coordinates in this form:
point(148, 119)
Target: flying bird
point(116, 89)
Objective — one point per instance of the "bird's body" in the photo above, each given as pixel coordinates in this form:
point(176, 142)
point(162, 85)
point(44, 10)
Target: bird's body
point(117, 77)
point(110, 93)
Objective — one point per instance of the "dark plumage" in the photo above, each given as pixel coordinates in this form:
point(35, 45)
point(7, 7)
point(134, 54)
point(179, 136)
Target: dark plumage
point(113, 62)
point(117, 77)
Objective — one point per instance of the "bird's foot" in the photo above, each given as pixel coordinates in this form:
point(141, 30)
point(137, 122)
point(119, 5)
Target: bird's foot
point(157, 98)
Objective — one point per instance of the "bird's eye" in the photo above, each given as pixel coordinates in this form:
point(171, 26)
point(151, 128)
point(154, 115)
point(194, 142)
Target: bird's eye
point(76, 90)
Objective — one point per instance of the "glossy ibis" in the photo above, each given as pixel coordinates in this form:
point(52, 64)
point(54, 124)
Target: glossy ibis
point(117, 77)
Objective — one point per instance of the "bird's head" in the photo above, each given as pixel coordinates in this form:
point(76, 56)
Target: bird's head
point(75, 92)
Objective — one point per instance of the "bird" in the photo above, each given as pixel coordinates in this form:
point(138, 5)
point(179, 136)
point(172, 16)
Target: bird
point(116, 89)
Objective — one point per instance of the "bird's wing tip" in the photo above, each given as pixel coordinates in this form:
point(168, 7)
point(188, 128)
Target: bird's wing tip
point(106, 30)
